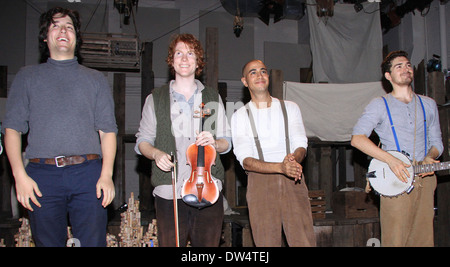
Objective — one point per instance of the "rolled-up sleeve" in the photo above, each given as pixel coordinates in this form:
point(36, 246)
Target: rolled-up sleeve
point(105, 119)
point(147, 126)
point(297, 133)
point(242, 136)
point(434, 129)
point(17, 104)
point(370, 118)
point(223, 129)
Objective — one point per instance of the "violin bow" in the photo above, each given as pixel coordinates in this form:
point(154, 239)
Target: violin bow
point(175, 204)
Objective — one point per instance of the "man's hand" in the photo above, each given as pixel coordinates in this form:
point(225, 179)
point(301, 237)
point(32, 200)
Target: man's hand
point(292, 168)
point(163, 160)
point(106, 185)
point(205, 138)
point(26, 187)
point(398, 167)
point(427, 160)
point(26, 190)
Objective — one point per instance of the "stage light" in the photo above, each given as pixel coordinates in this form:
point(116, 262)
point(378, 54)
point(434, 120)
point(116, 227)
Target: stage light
point(269, 7)
point(124, 7)
point(325, 8)
point(238, 25)
point(434, 64)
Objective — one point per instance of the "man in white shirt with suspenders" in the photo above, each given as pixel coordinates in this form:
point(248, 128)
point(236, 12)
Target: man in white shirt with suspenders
point(270, 142)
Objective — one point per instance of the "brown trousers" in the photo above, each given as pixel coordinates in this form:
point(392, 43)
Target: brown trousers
point(276, 203)
point(407, 220)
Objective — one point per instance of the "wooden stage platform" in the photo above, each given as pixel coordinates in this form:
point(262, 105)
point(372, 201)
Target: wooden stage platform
point(331, 231)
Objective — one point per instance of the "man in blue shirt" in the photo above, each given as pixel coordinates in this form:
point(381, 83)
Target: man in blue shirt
point(406, 220)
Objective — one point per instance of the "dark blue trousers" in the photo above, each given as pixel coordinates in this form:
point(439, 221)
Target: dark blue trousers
point(68, 195)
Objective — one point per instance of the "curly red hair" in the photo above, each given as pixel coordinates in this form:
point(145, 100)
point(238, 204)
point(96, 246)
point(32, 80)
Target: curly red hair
point(192, 43)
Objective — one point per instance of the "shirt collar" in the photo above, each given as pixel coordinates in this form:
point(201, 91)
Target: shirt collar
point(200, 86)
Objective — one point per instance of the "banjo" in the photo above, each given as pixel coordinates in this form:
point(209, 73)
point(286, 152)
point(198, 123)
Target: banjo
point(386, 183)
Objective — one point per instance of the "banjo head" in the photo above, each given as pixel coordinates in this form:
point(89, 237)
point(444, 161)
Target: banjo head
point(385, 181)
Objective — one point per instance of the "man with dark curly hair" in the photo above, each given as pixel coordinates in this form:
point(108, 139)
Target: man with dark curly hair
point(68, 111)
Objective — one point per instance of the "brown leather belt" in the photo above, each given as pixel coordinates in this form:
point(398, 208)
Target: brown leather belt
point(62, 161)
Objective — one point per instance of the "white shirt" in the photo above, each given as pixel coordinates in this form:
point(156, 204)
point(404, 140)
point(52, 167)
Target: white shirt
point(270, 128)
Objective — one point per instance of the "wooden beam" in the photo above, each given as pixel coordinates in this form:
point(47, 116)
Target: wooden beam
point(147, 75)
point(326, 173)
point(436, 87)
point(419, 79)
point(311, 165)
point(212, 57)
point(3, 81)
point(144, 164)
point(228, 161)
point(6, 182)
point(342, 167)
point(276, 83)
point(119, 173)
point(442, 238)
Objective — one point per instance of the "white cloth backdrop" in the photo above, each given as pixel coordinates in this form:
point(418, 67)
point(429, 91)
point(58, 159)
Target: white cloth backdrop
point(330, 111)
point(347, 47)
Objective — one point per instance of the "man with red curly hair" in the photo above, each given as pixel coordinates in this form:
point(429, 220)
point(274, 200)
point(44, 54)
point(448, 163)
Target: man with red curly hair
point(168, 125)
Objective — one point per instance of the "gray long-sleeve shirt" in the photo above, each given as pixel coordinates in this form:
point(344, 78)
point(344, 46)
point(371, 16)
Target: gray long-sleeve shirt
point(408, 121)
point(62, 105)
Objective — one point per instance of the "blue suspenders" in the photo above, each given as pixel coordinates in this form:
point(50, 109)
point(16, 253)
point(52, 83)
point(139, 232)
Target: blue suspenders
point(424, 124)
point(393, 128)
point(392, 124)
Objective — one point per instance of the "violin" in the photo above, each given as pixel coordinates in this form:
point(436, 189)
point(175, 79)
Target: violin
point(200, 190)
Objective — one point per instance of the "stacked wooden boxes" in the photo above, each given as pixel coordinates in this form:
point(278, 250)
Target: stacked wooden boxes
point(318, 203)
point(111, 51)
point(353, 204)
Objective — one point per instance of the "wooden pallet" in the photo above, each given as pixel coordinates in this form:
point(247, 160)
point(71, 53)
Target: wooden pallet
point(318, 203)
point(111, 51)
point(353, 204)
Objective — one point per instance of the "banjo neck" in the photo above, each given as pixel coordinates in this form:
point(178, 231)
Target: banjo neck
point(439, 166)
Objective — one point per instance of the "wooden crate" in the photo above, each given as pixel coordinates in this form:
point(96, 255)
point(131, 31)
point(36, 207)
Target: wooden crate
point(341, 232)
point(353, 204)
point(108, 51)
point(318, 203)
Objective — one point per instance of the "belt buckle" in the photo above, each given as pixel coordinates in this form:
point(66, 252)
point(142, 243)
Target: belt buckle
point(57, 163)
